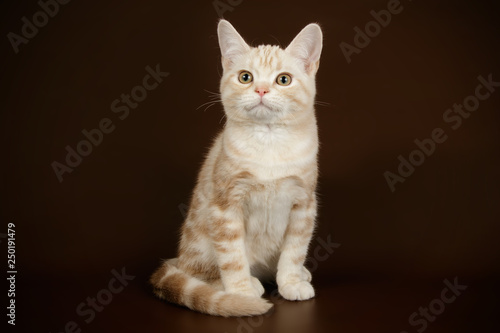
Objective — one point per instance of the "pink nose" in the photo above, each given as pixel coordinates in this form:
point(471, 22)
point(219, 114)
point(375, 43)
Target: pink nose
point(261, 91)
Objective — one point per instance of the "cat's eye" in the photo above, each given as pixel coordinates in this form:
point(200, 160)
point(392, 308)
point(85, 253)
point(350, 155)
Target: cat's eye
point(284, 79)
point(245, 77)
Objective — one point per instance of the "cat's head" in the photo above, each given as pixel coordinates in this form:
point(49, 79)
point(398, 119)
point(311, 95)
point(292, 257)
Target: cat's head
point(267, 83)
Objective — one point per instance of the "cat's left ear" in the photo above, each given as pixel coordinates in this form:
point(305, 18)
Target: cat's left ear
point(307, 46)
point(232, 45)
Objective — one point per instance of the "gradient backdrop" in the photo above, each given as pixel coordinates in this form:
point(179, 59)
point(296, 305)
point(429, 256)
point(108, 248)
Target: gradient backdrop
point(121, 207)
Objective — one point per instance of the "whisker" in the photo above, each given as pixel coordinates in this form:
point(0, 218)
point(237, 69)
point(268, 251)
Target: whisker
point(223, 115)
point(211, 103)
point(213, 94)
point(293, 116)
point(322, 103)
point(279, 43)
point(208, 107)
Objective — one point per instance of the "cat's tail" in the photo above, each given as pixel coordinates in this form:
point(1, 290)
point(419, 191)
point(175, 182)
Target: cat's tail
point(172, 284)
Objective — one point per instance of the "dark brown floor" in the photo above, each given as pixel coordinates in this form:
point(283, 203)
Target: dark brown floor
point(342, 305)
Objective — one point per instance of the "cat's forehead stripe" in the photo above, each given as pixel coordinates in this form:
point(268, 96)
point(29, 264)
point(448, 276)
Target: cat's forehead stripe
point(268, 56)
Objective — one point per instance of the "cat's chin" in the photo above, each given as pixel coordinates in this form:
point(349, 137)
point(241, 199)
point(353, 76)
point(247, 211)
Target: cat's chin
point(261, 108)
point(262, 112)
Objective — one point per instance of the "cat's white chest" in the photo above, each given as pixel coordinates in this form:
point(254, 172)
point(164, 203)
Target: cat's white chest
point(274, 153)
point(267, 215)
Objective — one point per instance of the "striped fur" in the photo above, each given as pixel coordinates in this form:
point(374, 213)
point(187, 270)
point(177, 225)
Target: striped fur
point(252, 213)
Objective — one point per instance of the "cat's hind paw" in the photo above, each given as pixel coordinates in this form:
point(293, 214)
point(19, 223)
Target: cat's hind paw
point(249, 287)
point(257, 286)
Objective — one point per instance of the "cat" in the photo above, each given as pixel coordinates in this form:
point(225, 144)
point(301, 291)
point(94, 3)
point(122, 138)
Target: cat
point(252, 212)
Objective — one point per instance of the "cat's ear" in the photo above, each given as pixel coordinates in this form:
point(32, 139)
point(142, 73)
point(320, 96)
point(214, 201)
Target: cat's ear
point(231, 43)
point(307, 46)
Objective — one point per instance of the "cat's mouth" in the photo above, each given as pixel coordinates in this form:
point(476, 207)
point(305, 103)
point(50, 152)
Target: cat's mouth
point(261, 105)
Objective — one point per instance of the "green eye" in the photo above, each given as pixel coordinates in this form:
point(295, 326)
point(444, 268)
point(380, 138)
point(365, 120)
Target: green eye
point(245, 77)
point(284, 79)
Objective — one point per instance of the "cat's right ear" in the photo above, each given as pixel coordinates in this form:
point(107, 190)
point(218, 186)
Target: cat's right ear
point(231, 43)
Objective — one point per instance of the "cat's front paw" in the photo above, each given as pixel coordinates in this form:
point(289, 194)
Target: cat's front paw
point(297, 291)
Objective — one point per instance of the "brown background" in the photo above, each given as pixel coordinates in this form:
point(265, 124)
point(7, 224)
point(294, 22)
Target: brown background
point(120, 207)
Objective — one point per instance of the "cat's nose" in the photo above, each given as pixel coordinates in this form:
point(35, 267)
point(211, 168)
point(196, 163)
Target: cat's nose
point(261, 91)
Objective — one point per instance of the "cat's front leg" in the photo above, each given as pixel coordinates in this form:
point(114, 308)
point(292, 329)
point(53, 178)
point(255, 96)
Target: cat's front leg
point(228, 236)
point(228, 239)
point(292, 277)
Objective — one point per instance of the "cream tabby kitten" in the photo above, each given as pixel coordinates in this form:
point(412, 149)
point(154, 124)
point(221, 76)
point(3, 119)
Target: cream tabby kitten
point(252, 213)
